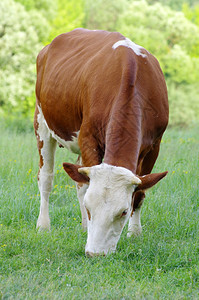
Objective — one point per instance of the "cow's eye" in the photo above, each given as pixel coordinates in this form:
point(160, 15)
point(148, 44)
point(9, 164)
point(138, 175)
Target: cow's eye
point(124, 213)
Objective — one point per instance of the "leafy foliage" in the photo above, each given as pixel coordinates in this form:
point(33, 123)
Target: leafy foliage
point(172, 36)
point(168, 35)
point(69, 15)
point(174, 4)
point(103, 14)
point(174, 40)
point(191, 13)
point(46, 7)
point(19, 45)
point(183, 102)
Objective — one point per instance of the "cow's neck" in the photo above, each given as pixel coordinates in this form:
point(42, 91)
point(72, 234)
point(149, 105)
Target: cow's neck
point(122, 142)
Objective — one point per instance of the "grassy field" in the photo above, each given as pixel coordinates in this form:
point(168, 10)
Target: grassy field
point(161, 264)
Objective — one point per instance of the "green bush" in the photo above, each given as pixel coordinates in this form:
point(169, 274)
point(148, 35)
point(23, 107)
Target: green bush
point(19, 45)
point(16, 124)
point(174, 40)
point(103, 14)
point(69, 15)
point(183, 103)
point(45, 7)
point(166, 34)
point(172, 36)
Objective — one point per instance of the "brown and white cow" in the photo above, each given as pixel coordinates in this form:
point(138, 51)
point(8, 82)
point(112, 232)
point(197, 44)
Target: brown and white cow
point(104, 98)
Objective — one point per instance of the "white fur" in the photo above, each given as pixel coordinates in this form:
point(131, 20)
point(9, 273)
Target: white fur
point(129, 44)
point(81, 190)
point(109, 194)
point(70, 145)
point(46, 173)
point(135, 228)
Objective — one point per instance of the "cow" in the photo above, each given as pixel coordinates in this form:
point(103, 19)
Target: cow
point(103, 97)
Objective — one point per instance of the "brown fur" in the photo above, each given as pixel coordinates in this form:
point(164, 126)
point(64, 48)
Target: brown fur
point(117, 99)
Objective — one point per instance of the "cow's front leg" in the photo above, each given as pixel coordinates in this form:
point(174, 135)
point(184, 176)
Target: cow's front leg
point(81, 190)
point(90, 156)
point(134, 227)
point(46, 146)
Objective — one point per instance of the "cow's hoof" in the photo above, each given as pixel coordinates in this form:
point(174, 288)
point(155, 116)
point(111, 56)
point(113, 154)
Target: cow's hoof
point(43, 224)
point(134, 231)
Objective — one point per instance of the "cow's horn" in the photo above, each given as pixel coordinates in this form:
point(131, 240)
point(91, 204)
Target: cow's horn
point(84, 171)
point(136, 180)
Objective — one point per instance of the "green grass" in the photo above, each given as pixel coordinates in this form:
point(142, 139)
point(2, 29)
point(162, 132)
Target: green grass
point(161, 264)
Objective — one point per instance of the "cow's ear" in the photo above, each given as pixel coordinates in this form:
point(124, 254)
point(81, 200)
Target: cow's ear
point(72, 171)
point(149, 180)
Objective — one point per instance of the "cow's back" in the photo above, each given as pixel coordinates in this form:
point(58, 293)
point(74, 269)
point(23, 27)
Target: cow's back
point(81, 78)
point(69, 70)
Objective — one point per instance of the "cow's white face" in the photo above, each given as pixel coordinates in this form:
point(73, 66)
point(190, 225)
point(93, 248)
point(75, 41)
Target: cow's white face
point(108, 201)
point(108, 204)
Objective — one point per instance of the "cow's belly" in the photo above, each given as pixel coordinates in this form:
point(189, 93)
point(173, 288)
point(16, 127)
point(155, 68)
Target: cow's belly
point(72, 144)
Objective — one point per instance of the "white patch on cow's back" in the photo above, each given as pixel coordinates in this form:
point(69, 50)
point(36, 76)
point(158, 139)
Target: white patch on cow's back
point(70, 145)
point(129, 44)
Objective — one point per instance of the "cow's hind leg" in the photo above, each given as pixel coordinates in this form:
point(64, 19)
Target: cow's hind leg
point(46, 146)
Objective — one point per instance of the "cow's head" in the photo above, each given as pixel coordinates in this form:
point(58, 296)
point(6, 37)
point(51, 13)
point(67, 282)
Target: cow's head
point(108, 202)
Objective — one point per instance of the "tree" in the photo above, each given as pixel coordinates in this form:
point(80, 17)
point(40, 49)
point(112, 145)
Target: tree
point(174, 4)
point(191, 13)
point(45, 7)
point(168, 35)
point(69, 15)
point(103, 14)
point(174, 40)
point(19, 46)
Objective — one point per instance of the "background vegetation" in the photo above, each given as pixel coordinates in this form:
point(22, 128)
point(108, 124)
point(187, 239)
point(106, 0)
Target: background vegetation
point(168, 29)
point(163, 262)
